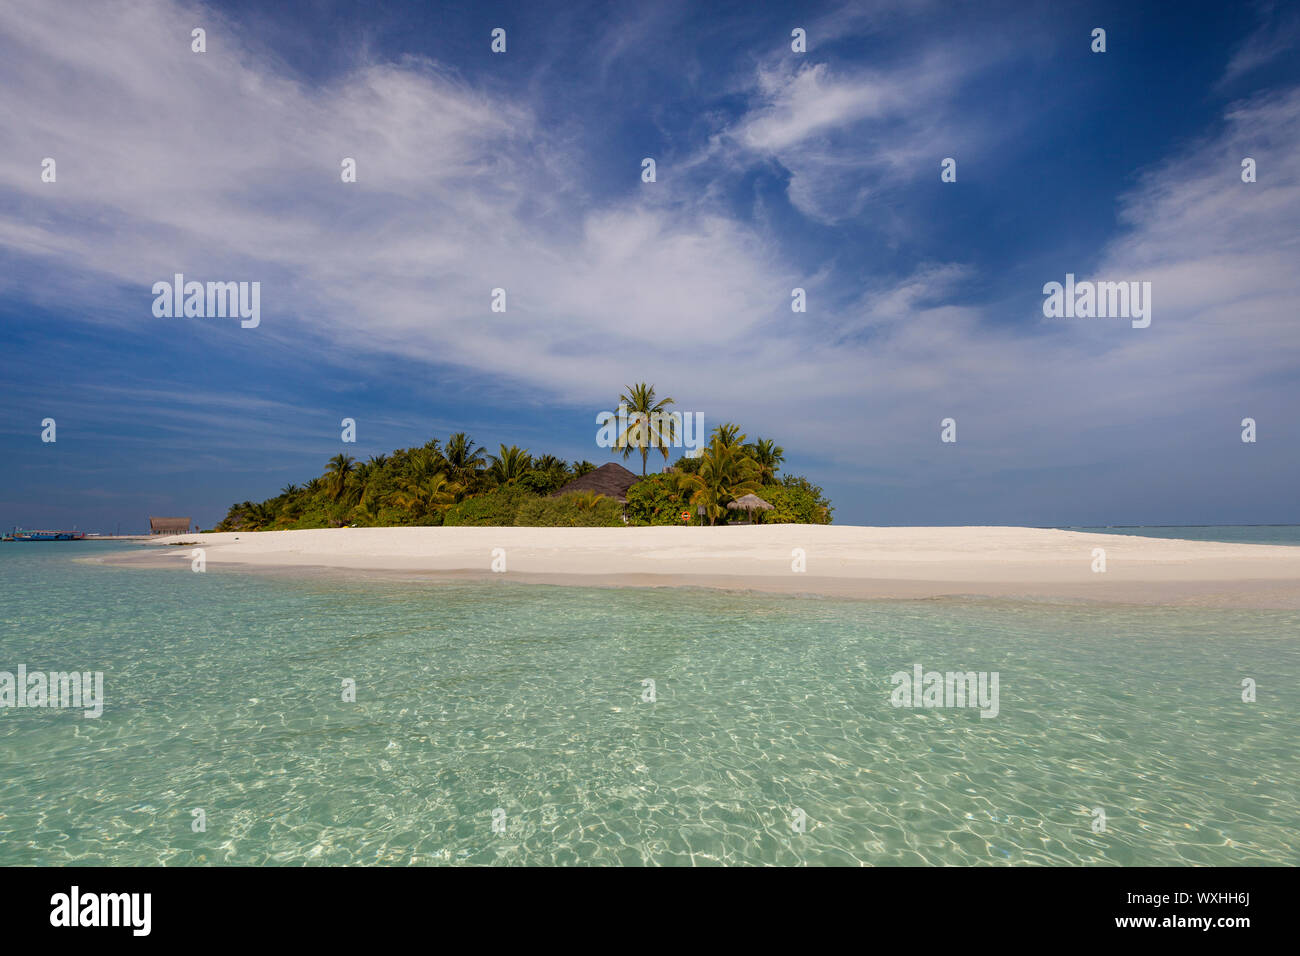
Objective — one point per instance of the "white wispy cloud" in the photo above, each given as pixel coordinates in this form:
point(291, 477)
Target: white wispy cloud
point(214, 165)
point(846, 134)
point(1277, 33)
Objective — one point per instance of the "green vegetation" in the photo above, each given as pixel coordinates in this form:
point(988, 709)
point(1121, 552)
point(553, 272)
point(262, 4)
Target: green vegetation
point(728, 468)
point(461, 484)
point(455, 484)
point(582, 509)
point(725, 474)
point(650, 424)
point(795, 500)
point(657, 500)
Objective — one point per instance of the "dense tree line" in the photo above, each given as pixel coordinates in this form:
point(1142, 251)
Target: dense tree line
point(460, 483)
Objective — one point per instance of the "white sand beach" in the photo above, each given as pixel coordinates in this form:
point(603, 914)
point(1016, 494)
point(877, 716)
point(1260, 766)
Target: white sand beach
point(859, 562)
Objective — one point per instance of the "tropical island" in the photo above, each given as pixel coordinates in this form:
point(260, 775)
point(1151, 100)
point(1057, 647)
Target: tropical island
point(458, 483)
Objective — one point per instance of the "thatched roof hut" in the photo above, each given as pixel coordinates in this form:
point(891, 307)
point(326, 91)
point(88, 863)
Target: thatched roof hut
point(750, 503)
point(169, 525)
point(611, 480)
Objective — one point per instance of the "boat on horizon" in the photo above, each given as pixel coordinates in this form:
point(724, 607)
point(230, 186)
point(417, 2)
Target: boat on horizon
point(47, 536)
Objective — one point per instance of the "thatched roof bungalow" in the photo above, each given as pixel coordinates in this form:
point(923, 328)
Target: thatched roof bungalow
point(169, 525)
point(749, 503)
point(611, 480)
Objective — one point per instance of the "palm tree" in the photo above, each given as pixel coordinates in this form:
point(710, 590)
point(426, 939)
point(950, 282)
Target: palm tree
point(549, 463)
point(584, 500)
point(768, 455)
point(337, 470)
point(358, 484)
point(729, 434)
point(510, 465)
point(259, 515)
point(649, 426)
point(363, 514)
point(548, 474)
point(289, 490)
point(434, 493)
point(422, 464)
point(241, 516)
point(464, 459)
point(726, 473)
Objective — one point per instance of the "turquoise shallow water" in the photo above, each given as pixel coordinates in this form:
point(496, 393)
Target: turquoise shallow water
point(1232, 534)
point(223, 693)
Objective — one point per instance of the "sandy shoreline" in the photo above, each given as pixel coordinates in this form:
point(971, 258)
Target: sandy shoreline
point(841, 561)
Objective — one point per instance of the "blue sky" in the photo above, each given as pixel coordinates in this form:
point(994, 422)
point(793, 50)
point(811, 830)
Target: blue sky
point(775, 170)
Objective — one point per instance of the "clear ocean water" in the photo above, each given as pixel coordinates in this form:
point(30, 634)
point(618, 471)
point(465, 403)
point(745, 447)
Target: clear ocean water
point(224, 693)
point(1233, 534)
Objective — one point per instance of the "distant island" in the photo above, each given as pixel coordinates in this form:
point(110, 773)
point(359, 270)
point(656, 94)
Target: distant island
point(459, 484)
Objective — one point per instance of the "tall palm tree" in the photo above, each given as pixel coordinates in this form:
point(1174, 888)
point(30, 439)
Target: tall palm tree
point(464, 459)
point(290, 490)
point(510, 465)
point(768, 455)
point(649, 426)
point(726, 473)
point(336, 471)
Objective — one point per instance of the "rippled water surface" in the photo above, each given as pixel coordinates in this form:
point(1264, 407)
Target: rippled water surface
point(224, 693)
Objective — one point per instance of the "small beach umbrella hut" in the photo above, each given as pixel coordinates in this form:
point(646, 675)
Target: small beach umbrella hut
point(750, 503)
